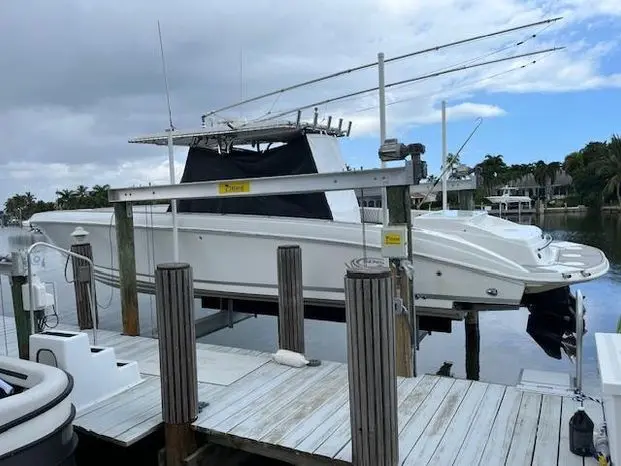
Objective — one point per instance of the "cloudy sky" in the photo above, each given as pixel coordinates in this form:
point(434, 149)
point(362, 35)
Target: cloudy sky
point(80, 77)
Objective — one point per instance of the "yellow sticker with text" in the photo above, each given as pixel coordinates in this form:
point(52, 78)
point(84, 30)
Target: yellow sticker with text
point(392, 239)
point(234, 187)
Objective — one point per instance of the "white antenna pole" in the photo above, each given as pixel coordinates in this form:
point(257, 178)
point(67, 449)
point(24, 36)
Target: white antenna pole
point(444, 157)
point(171, 154)
point(382, 109)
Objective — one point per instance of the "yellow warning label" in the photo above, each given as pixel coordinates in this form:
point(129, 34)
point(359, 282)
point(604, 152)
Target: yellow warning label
point(392, 239)
point(235, 187)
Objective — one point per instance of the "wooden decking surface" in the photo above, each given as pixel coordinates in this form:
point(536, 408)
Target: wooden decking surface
point(302, 414)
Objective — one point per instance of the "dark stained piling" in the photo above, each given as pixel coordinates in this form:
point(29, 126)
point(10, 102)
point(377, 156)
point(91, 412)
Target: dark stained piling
point(473, 340)
point(82, 282)
point(19, 277)
point(178, 367)
point(290, 298)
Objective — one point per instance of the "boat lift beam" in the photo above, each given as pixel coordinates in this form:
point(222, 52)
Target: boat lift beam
point(277, 185)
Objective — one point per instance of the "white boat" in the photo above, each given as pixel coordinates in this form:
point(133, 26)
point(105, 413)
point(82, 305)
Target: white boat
point(36, 419)
point(461, 259)
point(507, 197)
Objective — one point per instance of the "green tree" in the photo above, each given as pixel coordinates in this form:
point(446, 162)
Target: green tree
point(66, 199)
point(492, 170)
point(609, 167)
point(99, 195)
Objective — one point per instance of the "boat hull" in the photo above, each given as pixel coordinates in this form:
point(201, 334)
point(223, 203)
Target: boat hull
point(235, 256)
point(36, 423)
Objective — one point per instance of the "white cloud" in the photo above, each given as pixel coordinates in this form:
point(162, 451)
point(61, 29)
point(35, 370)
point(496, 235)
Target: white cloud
point(46, 178)
point(93, 76)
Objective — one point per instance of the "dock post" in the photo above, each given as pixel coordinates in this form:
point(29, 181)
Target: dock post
point(127, 267)
point(290, 298)
point(19, 277)
point(174, 294)
point(82, 278)
point(472, 346)
point(399, 212)
point(371, 366)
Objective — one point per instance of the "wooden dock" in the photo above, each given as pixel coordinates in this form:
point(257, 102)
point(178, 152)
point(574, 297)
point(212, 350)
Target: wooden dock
point(301, 415)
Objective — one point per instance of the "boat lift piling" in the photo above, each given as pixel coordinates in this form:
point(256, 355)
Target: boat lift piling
point(177, 354)
point(290, 298)
point(473, 346)
point(371, 366)
point(82, 279)
point(127, 267)
point(19, 278)
point(399, 211)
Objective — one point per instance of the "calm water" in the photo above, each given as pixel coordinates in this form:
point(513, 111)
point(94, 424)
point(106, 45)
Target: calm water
point(506, 348)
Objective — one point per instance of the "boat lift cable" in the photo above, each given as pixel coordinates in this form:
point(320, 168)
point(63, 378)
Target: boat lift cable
point(415, 79)
point(370, 65)
point(109, 303)
point(450, 162)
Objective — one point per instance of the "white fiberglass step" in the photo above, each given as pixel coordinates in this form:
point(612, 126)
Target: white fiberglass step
point(96, 372)
point(546, 382)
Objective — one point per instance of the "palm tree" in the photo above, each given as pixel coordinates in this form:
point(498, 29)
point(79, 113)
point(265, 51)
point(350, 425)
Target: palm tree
point(540, 174)
point(493, 169)
point(65, 199)
point(610, 168)
point(99, 194)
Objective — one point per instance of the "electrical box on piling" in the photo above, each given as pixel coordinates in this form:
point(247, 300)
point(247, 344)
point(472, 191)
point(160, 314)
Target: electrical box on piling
point(395, 242)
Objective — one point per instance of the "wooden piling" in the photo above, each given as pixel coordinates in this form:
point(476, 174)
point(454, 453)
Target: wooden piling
point(127, 267)
point(19, 277)
point(81, 285)
point(174, 294)
point(399, 205)
point(371, 366)
point(290, 298)
point(472, 346)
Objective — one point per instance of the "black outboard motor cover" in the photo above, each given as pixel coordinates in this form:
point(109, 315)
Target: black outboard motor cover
point(552, 319)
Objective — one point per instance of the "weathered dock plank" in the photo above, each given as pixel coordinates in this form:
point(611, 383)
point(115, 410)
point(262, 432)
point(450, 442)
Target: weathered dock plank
point(525, 432)
point(301, 415)
point(548, 430)
point(457, 430)
point(471, 449)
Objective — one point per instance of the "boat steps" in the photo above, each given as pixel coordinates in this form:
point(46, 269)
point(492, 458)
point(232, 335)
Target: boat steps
point(97, 372)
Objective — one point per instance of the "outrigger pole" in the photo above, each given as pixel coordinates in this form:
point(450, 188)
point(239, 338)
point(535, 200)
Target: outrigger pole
point(411, 80)
point(369, 65)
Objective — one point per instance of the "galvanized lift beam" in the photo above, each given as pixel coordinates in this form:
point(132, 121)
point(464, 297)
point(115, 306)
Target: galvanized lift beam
point(292, 184)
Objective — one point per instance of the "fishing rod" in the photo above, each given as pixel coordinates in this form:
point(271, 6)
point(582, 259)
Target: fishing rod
point(411, 80)
point(369, 65)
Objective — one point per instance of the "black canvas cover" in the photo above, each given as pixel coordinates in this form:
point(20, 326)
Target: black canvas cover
point(293, 158)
